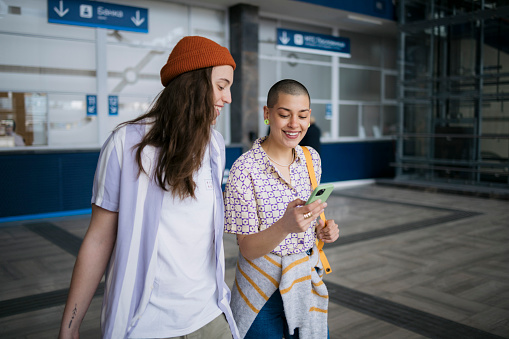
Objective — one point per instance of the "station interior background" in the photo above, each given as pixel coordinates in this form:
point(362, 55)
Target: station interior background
point(420, 102)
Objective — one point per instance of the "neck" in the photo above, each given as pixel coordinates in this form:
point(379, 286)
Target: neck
point(281, 155)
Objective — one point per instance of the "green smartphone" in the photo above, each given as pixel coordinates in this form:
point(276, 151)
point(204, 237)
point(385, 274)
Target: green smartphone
point(322, 192)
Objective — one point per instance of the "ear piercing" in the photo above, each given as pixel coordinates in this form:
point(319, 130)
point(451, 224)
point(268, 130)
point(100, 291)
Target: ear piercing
point(266, 121)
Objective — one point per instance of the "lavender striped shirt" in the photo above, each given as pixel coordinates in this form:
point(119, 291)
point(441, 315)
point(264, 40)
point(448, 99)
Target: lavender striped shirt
point(138, 199)
point(256, 195)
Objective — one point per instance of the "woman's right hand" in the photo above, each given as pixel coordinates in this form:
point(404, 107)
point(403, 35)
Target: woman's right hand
point(296, 219)
point(298, 216)
point(93, 257)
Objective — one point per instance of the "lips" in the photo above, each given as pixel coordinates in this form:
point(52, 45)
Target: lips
point(292, 135)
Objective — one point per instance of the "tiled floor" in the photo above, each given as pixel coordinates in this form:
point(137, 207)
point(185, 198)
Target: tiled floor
point(408, 264)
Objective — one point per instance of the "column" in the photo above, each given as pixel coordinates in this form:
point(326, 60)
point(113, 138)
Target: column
point(244, 49)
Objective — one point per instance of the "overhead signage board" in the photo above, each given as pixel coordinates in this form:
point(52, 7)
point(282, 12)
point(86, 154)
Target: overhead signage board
point(313, 43)
point(98, 14)
point(377, 8)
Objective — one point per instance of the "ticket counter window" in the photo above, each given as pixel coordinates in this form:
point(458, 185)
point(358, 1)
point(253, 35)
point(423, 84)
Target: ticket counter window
point(5, 139)
point(23, 119)
point(8, 135)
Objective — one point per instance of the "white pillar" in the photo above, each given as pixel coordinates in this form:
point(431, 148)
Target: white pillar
point(102, 84)
point(334, 130)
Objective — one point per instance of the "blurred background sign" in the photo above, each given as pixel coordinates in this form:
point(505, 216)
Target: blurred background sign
point(98, 14)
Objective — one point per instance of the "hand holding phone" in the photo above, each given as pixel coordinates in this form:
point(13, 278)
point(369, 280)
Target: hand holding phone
point(321, 192)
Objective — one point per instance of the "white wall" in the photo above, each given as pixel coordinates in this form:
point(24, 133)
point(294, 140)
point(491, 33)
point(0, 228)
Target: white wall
point(60, 62)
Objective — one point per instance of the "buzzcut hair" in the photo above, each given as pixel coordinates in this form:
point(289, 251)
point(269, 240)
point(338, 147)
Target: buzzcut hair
point(286, 86)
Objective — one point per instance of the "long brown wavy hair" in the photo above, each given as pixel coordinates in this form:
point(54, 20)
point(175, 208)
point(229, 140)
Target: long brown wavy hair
point(181, 119)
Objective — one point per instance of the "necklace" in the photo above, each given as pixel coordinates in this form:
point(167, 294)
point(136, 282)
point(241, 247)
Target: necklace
point(277, 163)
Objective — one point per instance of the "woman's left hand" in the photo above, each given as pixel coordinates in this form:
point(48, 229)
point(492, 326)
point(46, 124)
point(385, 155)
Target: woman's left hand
point(328, 233)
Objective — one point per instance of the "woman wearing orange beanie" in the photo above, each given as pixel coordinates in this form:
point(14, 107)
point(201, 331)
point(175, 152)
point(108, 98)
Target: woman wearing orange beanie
point(157, 211)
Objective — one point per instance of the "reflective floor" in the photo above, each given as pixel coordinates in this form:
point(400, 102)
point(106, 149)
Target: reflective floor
point(408, 264)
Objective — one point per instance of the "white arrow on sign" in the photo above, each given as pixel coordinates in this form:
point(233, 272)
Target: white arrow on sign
point(60, 11)
point(284, 38)
point(137, 21)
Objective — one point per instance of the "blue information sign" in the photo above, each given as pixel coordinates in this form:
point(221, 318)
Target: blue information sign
point(377, 8)
point(314, 43)
point(91, 104)
point(328, 112)
point(113, 104)
point(98, 14)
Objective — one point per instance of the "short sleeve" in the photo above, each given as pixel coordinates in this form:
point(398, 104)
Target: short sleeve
point(240, 202)
point(106, 187)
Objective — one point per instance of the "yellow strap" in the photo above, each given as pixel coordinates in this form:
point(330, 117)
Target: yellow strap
point(319, 243)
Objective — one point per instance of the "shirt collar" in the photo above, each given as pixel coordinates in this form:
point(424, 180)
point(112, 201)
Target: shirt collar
point(264, 159)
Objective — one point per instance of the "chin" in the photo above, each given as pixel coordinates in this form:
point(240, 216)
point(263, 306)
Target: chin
point(292, 144)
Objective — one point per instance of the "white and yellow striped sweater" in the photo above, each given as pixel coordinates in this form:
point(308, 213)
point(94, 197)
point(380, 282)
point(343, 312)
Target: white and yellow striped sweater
point(305, 296)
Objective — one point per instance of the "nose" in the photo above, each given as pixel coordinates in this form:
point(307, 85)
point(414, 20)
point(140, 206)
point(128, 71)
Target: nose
point(293, 122)
point(227, 96)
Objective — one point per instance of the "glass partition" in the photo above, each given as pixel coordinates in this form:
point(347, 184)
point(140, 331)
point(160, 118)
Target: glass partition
point(454, 87)
point(23, 119)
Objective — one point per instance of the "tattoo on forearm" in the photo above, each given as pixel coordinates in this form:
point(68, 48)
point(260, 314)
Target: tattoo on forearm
point(73, 314)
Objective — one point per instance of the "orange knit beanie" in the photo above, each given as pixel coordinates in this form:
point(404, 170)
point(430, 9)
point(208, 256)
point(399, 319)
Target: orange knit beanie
point(194, 52)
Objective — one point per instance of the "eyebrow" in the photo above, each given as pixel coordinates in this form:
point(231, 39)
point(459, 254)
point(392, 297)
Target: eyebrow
point(287, 109)
point(224, 79)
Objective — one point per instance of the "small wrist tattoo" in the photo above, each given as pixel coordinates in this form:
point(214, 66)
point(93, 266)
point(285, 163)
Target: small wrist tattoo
point(73, 314)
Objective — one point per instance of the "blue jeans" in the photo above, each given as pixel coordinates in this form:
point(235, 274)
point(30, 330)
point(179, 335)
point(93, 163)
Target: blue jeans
point(270, 323)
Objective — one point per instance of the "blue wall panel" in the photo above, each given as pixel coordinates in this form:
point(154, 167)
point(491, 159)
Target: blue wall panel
point(357, 160)
point(46, 183)
point(232, 153)
point(53, 182)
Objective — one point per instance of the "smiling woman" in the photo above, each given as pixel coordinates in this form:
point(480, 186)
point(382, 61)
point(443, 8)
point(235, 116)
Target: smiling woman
point(288, 113)
point(222, 79)
point(264, 204)
point(158, 176)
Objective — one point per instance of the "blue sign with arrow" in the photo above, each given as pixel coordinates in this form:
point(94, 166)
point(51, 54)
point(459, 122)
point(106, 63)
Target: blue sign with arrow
point(113, 104)
point(91, 104)
point(98, 14)
point(314, 43)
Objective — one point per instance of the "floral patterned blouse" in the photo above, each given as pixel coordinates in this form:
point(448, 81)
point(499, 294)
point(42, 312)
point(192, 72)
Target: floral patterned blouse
point(256, 196)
